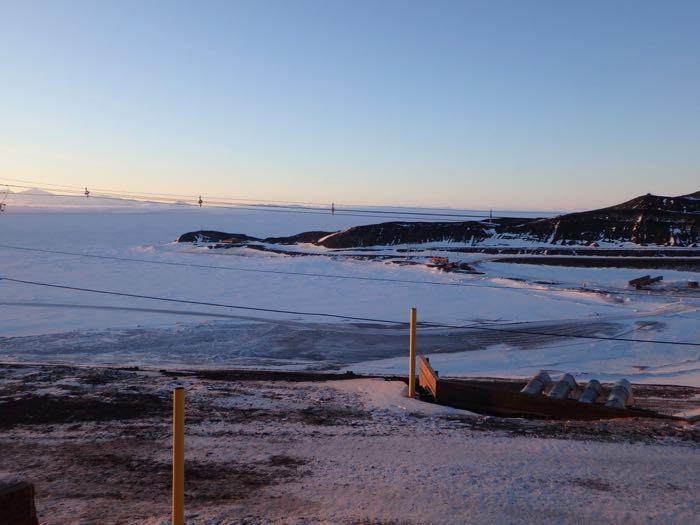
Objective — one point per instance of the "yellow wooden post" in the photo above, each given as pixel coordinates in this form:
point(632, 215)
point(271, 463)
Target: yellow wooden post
point(412, 355)
point(179, 456)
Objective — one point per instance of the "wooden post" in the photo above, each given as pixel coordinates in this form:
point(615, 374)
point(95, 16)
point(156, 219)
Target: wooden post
point(178, 456)
point(412, 355)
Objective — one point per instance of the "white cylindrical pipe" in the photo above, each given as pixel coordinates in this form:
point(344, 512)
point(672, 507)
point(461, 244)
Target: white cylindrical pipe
point(563, 387)
point(621, 395)
point(591, 392)
point(537, 384)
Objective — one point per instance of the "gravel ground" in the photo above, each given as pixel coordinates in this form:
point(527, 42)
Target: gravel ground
point(95, 442)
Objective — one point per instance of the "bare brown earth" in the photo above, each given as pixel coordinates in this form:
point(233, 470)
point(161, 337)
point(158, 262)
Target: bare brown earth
point(269, 449)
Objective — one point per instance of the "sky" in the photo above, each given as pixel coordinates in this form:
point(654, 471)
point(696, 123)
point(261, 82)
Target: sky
point(495, 104)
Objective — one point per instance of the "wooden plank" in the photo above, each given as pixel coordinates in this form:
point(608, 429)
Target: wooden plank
point(645, 280)
point(427, 378)
point(17, 504)
point(640, 281)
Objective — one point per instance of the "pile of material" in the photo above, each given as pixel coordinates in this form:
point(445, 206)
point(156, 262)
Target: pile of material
point(644, 281)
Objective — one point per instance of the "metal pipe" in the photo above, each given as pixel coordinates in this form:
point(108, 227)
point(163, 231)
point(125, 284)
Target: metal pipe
point(591, 392)
point(621, 395)
point(563, 387)
point(538, 384)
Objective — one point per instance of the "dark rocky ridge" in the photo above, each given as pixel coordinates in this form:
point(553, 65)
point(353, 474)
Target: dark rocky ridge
point(646, 220)
point(215, 236)
point(300, 238)
point(685, 203)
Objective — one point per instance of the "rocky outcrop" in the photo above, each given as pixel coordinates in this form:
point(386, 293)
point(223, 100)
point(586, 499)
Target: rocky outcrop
point(648, 220)
point(206, 236)
point(645, 220)
point(683, 204)
point(300, 238)
point(213, 236)
point(391, 233)
point(612, 227)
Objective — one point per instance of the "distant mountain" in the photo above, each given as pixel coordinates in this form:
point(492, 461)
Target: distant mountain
point(648, 220)
point(33, 191)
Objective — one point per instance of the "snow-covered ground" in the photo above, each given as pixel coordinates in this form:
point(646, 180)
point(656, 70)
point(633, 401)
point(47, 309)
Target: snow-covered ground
point(49, 324)
point(96, 443)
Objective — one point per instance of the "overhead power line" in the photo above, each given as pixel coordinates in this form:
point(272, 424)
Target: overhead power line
point(348, 317)
point(252, 204)
point(325, 205)
point(326, 275)
point(202, 303)
point(249, 207)
point(35, 184)
point(235, 206)
point(581, 336)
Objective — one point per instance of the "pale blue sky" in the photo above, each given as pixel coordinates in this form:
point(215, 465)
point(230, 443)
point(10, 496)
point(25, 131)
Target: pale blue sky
point(523, 104)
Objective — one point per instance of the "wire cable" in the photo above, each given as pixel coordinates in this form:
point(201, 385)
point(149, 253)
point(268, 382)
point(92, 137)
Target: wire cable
point(80, 190)
point(203, 303)
point(334, 276)
point(325, 206)
point(234, 206)
point(256, 204)
point(348, 317)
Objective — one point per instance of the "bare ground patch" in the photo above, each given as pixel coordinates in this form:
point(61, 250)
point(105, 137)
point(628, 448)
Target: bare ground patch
point(125, 475)
point(621, 430)
point(50, 410)
point(97, 445)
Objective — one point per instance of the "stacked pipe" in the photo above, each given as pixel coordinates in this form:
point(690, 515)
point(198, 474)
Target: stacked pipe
point(620, 395)
point(563, 387)
point(591, 392)
point(538, 384)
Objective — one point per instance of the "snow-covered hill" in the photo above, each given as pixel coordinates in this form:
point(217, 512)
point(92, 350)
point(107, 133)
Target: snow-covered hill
point(646, 220)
